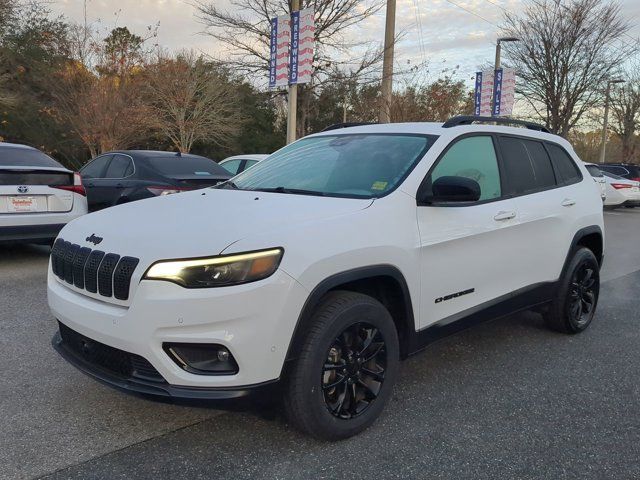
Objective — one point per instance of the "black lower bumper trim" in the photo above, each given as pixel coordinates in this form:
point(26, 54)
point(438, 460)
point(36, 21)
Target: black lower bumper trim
point(30, 232)
point(140, 386)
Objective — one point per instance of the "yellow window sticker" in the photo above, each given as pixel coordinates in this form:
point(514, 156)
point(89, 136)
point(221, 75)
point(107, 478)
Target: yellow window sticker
point(379, 185)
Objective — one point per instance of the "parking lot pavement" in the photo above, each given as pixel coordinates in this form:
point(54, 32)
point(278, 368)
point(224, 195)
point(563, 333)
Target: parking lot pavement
point(507, 399)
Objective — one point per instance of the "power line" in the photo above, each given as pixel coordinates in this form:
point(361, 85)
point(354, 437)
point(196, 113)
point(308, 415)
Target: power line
point(472, 13)
point(416, 10)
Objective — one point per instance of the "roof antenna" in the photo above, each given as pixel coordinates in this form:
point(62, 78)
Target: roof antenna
point(178, 153)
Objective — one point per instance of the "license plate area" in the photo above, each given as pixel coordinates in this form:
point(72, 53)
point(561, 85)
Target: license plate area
point(22, 204)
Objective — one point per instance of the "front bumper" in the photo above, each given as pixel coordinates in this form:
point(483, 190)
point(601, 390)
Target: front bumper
point(134, 383)
point(254, 321)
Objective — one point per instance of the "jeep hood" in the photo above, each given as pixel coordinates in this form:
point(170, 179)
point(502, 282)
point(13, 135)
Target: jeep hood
point(198, 223)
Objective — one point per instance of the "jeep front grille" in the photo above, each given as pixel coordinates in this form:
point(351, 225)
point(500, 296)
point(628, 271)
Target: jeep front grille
point(93, 270)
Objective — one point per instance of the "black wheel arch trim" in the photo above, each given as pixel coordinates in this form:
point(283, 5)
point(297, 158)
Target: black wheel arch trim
point(581, 234)
point(342, 278)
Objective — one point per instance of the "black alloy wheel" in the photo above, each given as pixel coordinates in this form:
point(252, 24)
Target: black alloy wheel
point(582, 295)
point(354, 371)
point(346, 363)
point(574, 306)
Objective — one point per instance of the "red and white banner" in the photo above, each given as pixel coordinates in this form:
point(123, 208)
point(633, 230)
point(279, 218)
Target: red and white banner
point(279, 55)
point(291, 48)
point(306, 46)
point(507, 97)
point(486, 90)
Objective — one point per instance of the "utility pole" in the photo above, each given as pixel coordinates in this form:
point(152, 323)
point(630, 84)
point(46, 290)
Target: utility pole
point(292, 98)
point(497, 62)
point(603, 148)
point(387, 62)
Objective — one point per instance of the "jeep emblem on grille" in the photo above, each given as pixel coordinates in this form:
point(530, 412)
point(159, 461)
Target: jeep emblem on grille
point(94, 239)
point(23, 189)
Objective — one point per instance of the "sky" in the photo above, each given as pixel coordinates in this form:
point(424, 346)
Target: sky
point(448, 34)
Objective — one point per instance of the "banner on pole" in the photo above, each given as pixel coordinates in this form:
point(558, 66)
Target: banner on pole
point(508, 92)
point(292, 45)
point(279, 54)
point(305, 46)
point(483, 91)
point(497, 93)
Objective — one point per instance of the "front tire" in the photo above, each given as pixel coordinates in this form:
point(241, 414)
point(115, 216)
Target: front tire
point(575, 304)
point(346, 369)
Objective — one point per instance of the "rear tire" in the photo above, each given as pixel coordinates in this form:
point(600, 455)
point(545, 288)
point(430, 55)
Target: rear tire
point(346, 369)
point(574, 306)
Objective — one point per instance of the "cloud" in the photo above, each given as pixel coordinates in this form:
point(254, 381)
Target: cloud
point(436, 30)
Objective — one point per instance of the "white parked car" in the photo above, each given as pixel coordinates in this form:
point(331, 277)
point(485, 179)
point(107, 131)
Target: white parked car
point(240, 163)
point(598, 177)
point(38, 196)
point(621, 192)
point(341, 254)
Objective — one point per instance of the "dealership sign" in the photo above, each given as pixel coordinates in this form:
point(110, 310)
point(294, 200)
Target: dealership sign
point(484, 88)
point(292, 48)
point(498, 85)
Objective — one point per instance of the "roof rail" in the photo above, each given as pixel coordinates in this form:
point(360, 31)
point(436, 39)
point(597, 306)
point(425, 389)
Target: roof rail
point(337, 126)
point(470, 119)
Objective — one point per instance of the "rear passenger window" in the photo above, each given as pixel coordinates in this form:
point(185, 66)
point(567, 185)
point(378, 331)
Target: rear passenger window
point(527, 165)
point(474, 158)
point(119, 167)
point(564, 164)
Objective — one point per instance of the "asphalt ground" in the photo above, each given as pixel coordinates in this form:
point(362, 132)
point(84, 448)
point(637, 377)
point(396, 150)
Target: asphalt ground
point(506, 399)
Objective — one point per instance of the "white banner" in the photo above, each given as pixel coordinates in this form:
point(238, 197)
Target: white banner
point(279, 55)
point(508, 93)
point(305, 46)
point(486, 90)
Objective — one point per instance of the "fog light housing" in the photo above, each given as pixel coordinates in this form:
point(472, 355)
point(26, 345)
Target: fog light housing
point(202, 358)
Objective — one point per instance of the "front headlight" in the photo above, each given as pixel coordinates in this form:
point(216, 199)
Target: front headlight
point(217, 271)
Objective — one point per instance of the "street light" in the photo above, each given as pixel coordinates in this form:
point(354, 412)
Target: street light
point(606, 117)
point(498, 48)
point(497, 63)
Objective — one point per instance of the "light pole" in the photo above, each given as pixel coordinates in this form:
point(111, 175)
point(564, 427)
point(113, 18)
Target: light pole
point(497, 62)
point(387, 63)
point(606, 117)
point(292, 99)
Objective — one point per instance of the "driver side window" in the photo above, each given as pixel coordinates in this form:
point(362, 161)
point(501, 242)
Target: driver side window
point(473, 158)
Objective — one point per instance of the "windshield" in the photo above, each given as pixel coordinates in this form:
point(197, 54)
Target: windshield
point(187, 165)
point(25, 157)
point(356, 166)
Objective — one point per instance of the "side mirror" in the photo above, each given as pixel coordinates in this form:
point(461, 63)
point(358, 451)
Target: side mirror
point(453, 189)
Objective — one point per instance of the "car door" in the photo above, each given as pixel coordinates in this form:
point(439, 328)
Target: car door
point(544, 205)
point(469, 251)
point(117, 179)
point(92, 175)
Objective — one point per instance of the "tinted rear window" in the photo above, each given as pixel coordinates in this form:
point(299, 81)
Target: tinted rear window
point(614, 169)
point(191, 165)
point(527, 165)
point(25, 157)
point(594, 171)
point(564, 164)
point(17, 177)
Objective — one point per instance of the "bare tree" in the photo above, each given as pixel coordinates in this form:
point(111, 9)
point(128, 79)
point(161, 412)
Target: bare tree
point(245, 27)
point(625, 113)
point(192, 101)
point(104, 112)
point(567, 51)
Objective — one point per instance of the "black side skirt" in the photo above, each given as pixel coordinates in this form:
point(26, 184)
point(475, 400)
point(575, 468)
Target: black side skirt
point(522, 299)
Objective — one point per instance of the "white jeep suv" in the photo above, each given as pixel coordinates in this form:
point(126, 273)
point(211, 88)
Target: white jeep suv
point(324, 265)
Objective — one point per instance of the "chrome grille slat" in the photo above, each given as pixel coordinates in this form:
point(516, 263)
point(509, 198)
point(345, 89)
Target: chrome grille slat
point(93, 270)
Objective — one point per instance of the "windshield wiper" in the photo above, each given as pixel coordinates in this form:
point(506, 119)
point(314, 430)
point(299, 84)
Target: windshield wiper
point(226, 184)
point(296, 191)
